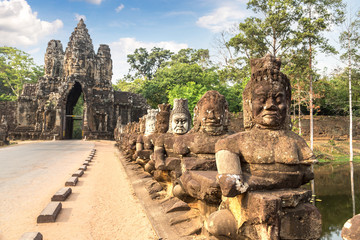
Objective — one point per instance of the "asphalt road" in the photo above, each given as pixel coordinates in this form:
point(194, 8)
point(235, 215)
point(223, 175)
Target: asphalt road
point(30, 174)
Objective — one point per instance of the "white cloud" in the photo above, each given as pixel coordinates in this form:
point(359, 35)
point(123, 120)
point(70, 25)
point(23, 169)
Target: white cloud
point(20, 26)
point(124, 46)
point(221, 18)
point(78, 17)
point(119, 8)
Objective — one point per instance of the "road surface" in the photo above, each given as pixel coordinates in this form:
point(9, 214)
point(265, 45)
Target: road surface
point(102, 205)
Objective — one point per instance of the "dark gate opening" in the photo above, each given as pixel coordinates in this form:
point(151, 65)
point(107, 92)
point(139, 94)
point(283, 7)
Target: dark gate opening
point(74, 112)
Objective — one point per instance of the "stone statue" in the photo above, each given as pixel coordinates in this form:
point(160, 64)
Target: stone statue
point(145, 142)
point(180, 121)
point(267, 157)
point(162, 118)
point(180, 118)
point(150, 121)
point(197, 149)
point(4, 131)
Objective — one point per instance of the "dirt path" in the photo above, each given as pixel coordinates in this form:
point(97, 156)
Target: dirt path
point(102, 205)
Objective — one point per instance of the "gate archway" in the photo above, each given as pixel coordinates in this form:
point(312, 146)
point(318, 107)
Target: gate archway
point(69, 117)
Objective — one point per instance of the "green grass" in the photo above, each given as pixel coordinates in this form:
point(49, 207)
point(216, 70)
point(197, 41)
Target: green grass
point(336, 151)
point(339, 158)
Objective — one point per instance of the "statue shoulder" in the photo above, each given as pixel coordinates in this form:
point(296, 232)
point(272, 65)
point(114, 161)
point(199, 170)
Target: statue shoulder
point(230, 143)
point(305, 152)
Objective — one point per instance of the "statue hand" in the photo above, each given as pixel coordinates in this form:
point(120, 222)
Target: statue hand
point(231, 184)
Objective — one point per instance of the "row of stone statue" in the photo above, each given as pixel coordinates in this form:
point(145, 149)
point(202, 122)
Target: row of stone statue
point(244, 185)
point(4, 131)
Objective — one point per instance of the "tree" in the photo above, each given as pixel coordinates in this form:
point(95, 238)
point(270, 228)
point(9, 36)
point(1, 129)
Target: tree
point(317, 16)
point(16, 69)
point(145, 64)
point(175, 78)
point(192, 56)
point(296, 69)
point(273, 32)
point(349, 39)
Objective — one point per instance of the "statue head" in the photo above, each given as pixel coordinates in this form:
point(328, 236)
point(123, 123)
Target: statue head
point(150, 121)
point(267, 96)
point(162, 118)
point(180, 118)
point(211, 114)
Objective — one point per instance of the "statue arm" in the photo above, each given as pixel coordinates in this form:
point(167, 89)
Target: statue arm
point(229, 173)
point(307, 156)
point(159, 157)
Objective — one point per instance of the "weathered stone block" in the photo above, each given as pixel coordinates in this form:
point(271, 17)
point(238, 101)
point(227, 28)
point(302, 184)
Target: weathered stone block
point(50, 212)
point(86, 163)
point(178, 206)
point(302, 222)
point(83, 168)
point(72, 181)
point(62, 194)
point(172, 163)
point(144, 154)
point(262, 208)
point(200, 164)
point(32, 236)
point(78, 173)
point(153, 187)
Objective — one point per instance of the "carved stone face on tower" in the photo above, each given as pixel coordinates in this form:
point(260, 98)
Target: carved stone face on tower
point(269, 107)
point(180, 119)
point(211, 113)
point(150, 121)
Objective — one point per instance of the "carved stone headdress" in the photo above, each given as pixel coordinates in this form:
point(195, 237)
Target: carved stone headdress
point(266, 69)
point(180, 106)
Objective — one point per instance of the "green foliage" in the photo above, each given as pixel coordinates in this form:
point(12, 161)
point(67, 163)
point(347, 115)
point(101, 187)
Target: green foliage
point(317, 17)
point(334, 93)
point(191, 91)
point(77, 124)
point(145, 64)
point(188, 74)
point(16, 69)
point(79, 107)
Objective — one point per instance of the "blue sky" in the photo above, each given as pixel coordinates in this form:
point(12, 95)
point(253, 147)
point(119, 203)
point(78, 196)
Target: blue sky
point(125, 25)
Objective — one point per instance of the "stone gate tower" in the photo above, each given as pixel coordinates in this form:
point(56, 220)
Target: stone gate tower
point(45, 109)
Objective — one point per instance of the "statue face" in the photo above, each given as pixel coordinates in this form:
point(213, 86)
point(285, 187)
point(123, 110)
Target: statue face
point(269, 105)
point(212, 118)
point(180, 123)
point(150, 125)
point(162, 125)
